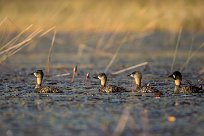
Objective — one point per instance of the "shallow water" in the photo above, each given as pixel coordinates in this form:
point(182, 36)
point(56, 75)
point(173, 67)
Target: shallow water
point(82, 110)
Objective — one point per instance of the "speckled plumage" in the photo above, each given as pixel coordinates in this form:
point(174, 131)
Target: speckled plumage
point(188, 89)
point(47, 89)
point(137, 75)
point(111, 89)
point(184, 89)
point(147, 89)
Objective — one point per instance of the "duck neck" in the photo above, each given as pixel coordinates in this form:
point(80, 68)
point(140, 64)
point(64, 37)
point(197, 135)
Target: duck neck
point(138, 83)
point(103, 83)
point(38, 83)
point(177, 85)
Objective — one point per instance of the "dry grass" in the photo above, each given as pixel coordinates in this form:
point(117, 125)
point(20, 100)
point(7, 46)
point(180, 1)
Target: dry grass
point(49, 54)
point(116, 53)
point(106, 15)
point(12, 47)
point(122, 122)
point(176, 49)
point(21, 40)
point(129, 68)
point(74, 74)
point(101, 48)
point(190, 56)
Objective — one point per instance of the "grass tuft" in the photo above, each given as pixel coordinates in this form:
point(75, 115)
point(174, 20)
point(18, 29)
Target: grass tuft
point(176, 49)
point(116, 53)
point(50, 51)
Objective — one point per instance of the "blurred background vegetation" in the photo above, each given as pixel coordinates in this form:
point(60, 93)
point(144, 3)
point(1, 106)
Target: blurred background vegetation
point(86, 31)
point(106, 15)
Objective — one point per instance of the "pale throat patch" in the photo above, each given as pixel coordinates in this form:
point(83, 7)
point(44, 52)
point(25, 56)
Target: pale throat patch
point(103, 82)
point(138, 81)
point(39, 81)
point(177, 82)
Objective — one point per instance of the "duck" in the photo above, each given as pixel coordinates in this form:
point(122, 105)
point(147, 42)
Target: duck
point(137, 75)
point(43, 89)
point(108, 88)
point(177, 76)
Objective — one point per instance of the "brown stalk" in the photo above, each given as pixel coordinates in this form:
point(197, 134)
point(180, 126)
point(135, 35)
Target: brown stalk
point(176, 49)
point(52, 28)
point(116, 53)
point(122, 122)
point(111, 39)
point(193, 53)
point(188, 58)
point(12, 41)
point(49, 54)
point(132, 124)
point(129, 68)
point(2, 21)
point(74, 74)
point(145, 121)
point(11, 21)
point(12, 53)
point(62, 75)
point(15, 48)
point(29, 38)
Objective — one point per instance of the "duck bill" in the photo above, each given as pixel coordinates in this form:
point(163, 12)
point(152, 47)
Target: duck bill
point(170, 76)
point(30, 74)
point(33, 73)
point(96, 77)
point(130, 75)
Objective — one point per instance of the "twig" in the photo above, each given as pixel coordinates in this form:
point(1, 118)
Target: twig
point(11, 21)
point(129, 68)
point(35, 33)
point(74, 74)
point(192, 54)
point(176, 49)
point(2, 21)
point(13, 52)
point(8, 19)
point(52, 28)
point(22, 45)
point(12, 41)
point(116, 53)
point(132, 124)
point(145, 120)
point(15, 48)
point(62, 75)
point(29, 38)
point(188, 58)
point(49, 54)
point(122, 122)
point(111, 39)
point(100, 41)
